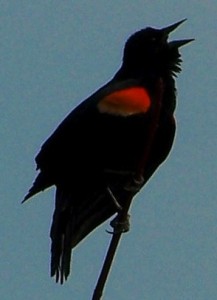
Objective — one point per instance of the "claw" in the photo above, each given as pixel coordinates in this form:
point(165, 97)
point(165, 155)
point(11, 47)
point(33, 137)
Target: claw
point(119, 227)
point(110, 232)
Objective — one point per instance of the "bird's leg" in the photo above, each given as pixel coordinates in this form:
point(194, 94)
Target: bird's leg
point(115, 201)
point(135, 184)
point(118, 225)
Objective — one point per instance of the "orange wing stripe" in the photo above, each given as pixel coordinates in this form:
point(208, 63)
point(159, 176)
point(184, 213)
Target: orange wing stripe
point(130, 101)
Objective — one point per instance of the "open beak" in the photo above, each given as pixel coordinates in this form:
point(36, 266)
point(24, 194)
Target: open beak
point(175, 44)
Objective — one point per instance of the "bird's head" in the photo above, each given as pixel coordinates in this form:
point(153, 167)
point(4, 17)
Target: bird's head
point(149, 50)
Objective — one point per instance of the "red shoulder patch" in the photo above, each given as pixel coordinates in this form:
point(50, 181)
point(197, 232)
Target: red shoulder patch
point(126, 102)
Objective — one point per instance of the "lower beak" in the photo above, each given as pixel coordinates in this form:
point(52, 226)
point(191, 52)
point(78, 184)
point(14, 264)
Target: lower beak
point(180, 43)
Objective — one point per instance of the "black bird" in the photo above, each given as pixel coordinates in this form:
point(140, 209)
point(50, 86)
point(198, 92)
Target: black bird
point(110, 145)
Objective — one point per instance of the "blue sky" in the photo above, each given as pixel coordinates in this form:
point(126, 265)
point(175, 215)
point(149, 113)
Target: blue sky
point(53, 55)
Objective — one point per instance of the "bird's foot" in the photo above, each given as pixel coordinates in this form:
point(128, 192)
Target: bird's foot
point(120, 226)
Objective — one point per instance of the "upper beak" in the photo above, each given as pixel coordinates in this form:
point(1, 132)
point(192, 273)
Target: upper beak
point(172, 27)
point(169, 29)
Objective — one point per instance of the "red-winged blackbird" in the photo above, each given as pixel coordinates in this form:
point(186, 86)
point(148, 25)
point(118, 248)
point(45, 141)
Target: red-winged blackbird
point(109, 146)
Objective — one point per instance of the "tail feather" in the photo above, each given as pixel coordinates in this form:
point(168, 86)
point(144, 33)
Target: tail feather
point(61, 235)
point(61, 256)
point(66, 256)
point(72, 222)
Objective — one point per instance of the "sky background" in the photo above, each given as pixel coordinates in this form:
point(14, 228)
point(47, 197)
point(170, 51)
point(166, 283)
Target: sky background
point(54, 54)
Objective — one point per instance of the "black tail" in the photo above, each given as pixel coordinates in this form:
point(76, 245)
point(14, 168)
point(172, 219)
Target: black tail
point(61, 236)
point(73, 220)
